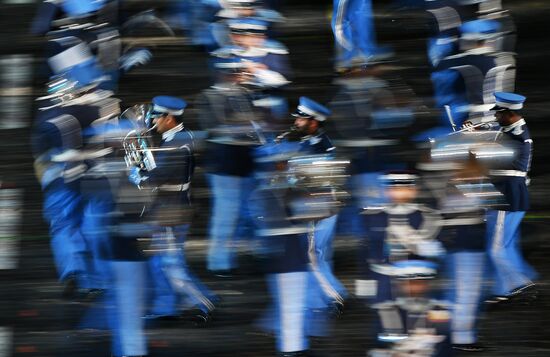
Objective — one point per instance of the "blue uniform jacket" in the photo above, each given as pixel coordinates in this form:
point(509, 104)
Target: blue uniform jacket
point(229, 151)
point(511, 180)
point(175, 165)
point(57, 130)
point(316, 144)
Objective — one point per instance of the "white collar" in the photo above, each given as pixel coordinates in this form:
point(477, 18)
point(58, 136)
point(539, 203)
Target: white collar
point(169, 135)
point(513, 126)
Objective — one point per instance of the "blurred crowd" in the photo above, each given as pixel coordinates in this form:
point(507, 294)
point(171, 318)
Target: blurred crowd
point(442, 204)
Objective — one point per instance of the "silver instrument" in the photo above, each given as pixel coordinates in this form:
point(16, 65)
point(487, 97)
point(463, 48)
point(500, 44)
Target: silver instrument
point(318, 182)
point(137, 143)
point(461, 145)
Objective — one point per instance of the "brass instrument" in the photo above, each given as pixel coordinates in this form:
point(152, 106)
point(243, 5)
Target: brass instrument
point(137, 142)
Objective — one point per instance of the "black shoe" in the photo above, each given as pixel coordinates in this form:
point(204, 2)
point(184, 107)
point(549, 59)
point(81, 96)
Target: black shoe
point(497, 300)
point(524, 294)
point(336, 309)
point(196, 316)
point(70, 288)
point(90, 295)
point(468, 347)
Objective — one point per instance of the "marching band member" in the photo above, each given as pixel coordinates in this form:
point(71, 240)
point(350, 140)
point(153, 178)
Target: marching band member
point(402, 248)
point(62, 131)
point(174, 285)
point(329, 292)
point(463, 235)
point(95, 22)
point(227, 112)
point(513, 275)
point(286, 240)
point(266, 60)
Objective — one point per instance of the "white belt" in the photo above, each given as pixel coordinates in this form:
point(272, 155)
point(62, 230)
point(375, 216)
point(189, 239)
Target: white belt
point(174, 188)
point(516, 173)
point(462, 221)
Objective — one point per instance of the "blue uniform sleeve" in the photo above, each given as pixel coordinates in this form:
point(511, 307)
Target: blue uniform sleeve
point(41, 24)
point(44, 138)
point(525, 148)
point(279, 64)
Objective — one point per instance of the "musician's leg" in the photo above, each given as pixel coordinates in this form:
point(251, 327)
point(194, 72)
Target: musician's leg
point(468, 268)
point(226, 205)
point(290, 299)
point(95, 227)
point(502, 229)
point(324, 234)
point(522, 271)
point(62, 210)
point(127, 320)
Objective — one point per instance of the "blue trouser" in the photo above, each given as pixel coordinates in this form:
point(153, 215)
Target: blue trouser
point(290, 294)
point(353, 27)
point(503, 237)
point(128, 308)
point(467, 273)
point(76, 238)
point(172, 281)
point(95, 225)
point(325, 287)
point(62, 209)
point(230, 195)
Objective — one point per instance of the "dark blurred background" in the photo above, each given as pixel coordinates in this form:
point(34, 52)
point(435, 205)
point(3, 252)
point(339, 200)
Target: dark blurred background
point(35, 322)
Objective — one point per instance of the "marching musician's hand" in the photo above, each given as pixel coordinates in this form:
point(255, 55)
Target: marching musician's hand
point(252, 67)
point(135, 176)
point(467, 126)
point(134, 58)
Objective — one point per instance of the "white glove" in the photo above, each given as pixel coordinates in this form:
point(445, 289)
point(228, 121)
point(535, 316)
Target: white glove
point(134, 58)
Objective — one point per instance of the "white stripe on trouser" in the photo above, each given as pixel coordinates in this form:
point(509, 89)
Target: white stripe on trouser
point(291, 290)
point(180, 285)
point(338, 27)
point(129, 280)
point(314, 266)
point(468, 279)
point(499, 255)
